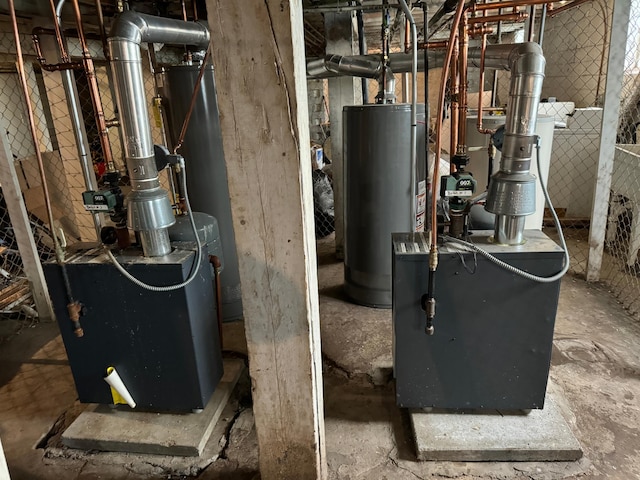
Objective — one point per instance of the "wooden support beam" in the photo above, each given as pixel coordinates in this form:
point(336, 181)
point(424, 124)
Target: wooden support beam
point(258, 53)
point(22, 230)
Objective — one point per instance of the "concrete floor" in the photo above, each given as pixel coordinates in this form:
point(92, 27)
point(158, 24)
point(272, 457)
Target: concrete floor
point(596, 365)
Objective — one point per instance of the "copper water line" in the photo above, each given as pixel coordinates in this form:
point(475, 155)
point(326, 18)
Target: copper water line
point(103, 32)
point(34, 131)
point(64, 56)
point(52, 67)
point(435, 45)
point(192, 105)
point(94, 91)
point(194, 5)
point(184, 10)
point(505, 17)
point(463, 37)
point(441, 94)
point(508, 4)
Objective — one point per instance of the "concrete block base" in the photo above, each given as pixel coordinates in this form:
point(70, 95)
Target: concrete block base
point(103, 428)
point(541, 435)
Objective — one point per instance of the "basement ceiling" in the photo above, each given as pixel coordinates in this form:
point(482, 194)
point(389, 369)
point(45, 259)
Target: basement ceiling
point(314, 10)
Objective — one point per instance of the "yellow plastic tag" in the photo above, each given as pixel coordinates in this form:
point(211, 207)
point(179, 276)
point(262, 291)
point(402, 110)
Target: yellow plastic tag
point(117, 398)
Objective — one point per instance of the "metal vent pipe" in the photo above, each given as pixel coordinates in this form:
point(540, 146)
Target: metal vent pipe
point(511, 194)
point(149, 209)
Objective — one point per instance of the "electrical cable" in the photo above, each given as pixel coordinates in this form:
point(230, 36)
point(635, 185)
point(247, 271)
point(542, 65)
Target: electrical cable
point(516, 270)
point(196, 264)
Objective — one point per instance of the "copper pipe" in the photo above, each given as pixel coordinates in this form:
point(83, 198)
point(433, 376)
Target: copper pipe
point(483, 49)
point(479, 31)
point(192, 105)
point(461, 148)
point(217, 268)
point(64, 56)
point(94, 91)
point(407, 36)
point(50, 67)
point(184, 10)
point(564, 8)
point(441, 93)
point(103, 32)
point(508, 4)
point(34, 131)
point(505, 17)
point(435, 45)
point(194, 5)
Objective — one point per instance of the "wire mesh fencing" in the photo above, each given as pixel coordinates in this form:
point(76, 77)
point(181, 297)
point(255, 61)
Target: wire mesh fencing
point(621, 265)
point(575, 45)
point(17, 307)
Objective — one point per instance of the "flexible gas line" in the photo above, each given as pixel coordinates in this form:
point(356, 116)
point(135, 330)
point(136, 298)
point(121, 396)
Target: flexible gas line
point(511, 268)
point(196, 264)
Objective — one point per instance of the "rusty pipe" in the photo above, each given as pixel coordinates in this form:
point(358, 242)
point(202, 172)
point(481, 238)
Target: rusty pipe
point(217, 269)
point(505, 17)
point(94, 92)
point(184, 10)
point(192, 104)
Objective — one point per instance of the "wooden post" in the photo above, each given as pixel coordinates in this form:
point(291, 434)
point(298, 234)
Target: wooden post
point(610, 114)
point(22, 230)
point(258, 53)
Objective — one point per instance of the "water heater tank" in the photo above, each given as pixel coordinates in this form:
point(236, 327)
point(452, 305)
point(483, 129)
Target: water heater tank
point(378, 194)
point(206, 169)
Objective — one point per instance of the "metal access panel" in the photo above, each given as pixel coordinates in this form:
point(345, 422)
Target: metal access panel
point(493, 329)
point(164, 345)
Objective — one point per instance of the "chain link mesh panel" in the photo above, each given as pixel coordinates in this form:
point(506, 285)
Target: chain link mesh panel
point(620, 263)
point(576, 44)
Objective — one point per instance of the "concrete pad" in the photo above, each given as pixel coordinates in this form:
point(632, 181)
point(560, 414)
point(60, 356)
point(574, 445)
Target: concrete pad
point(103, 428)
point(542, 435)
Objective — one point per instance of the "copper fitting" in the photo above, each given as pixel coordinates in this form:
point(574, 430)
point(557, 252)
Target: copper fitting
point(435, 45)
point(479, 30)
point(74, 309)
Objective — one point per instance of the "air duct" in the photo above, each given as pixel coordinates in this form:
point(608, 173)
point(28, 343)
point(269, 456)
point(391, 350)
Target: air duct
point(149, 209)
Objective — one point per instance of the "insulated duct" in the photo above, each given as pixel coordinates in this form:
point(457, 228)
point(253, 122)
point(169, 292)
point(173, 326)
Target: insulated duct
point(511, 195)
point(368, 66)
point(149, 209)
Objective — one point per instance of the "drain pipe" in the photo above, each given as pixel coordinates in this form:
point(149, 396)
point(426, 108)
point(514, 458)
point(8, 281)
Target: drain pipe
point(511, 195)
point(149, 208)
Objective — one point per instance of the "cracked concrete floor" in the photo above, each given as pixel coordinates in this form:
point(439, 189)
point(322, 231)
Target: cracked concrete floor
point(596, 364)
